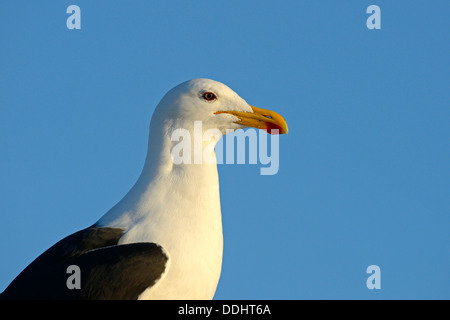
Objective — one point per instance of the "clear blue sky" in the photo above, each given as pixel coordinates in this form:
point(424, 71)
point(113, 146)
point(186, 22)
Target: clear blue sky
point(364, 172)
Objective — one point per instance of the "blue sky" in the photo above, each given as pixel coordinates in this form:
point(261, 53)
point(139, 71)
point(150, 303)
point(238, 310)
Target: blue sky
point(364, 174)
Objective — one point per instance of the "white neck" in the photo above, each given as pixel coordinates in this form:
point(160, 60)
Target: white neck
point(162, 182)
point(178, 207)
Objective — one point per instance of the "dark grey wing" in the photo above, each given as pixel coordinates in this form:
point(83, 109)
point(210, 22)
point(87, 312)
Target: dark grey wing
point(121, 272)
point(107, 270)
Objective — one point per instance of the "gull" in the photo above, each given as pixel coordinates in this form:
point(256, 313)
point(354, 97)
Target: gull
point(164, 239)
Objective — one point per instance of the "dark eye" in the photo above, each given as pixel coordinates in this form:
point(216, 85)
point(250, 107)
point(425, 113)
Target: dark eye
point(209, 96)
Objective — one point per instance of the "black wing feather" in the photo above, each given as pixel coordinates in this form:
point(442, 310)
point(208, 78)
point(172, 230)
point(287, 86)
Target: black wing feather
point(108, 270)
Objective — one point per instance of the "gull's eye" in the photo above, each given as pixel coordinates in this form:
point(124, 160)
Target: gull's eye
point(209, 96)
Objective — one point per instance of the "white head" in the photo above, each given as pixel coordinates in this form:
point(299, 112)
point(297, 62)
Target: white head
point(175, 136)
point(215, 105)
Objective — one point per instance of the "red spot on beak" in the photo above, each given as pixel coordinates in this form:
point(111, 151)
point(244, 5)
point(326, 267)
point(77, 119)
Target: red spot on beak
point(273, 128)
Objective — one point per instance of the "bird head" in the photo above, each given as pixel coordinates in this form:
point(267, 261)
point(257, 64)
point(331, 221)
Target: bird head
point(216, 106)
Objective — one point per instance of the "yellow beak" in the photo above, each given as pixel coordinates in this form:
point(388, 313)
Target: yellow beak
point(261, 119)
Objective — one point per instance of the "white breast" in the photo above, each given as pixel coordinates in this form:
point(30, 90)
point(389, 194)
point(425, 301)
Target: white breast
point(179, 210)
